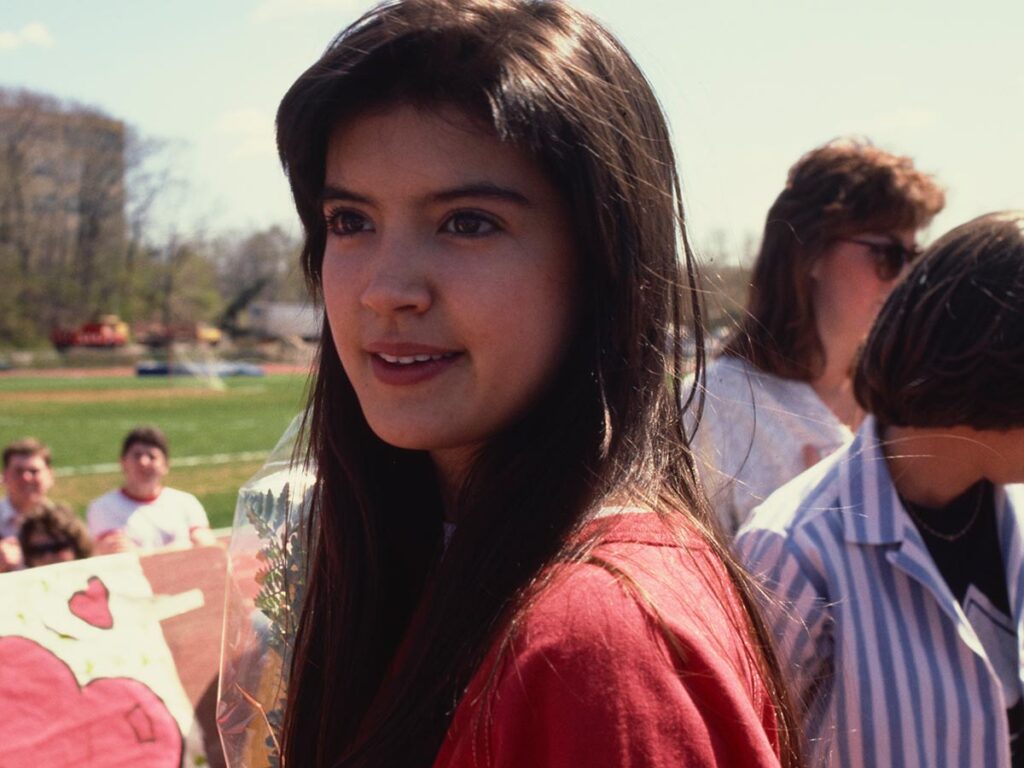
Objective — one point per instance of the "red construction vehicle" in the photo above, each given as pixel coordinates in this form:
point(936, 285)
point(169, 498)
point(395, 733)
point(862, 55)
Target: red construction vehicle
point(107, 331)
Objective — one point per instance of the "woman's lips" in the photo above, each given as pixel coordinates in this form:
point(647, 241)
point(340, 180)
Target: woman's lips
point(404, 365)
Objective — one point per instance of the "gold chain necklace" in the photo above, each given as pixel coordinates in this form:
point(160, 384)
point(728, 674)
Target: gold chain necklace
point(915, 513)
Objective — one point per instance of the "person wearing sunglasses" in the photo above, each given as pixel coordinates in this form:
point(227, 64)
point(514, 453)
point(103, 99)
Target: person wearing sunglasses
point(52, 533)
point(890, 256)
point(778, 397)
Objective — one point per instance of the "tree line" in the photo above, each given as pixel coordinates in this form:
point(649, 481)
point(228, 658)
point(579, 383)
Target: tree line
point(77, 239)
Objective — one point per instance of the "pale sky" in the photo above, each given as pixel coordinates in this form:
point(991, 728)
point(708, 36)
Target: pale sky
point(748, 87)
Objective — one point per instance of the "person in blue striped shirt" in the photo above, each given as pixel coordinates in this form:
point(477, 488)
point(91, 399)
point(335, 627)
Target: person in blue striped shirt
point(895, 568)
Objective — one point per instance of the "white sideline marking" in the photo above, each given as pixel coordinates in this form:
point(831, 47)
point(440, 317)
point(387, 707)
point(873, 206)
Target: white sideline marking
point(184, 461)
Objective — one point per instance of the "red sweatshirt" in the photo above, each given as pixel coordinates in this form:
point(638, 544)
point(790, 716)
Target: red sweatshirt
point(591, 680)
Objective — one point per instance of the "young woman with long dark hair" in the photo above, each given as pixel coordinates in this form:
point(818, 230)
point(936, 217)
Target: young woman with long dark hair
point(511, 562)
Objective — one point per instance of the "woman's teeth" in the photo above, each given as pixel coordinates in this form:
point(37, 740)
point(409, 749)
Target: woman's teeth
point(409, 360)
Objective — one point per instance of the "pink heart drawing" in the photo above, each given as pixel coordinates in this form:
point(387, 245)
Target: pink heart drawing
point(92, 604)
point(46, 719)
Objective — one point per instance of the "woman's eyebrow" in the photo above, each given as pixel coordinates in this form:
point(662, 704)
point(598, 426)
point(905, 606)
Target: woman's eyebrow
point(482, 189)
point(334, 192)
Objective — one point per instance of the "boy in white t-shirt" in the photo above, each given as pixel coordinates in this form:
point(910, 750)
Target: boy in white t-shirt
point(143, 514)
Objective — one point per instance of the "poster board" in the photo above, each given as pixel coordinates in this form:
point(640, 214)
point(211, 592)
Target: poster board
point(112, 661)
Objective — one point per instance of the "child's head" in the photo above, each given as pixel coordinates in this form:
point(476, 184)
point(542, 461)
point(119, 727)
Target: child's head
point(460, 105)
point(52, 533)
point(947, 348)
point(144, 458)
point(27, 474)
point(148, 436)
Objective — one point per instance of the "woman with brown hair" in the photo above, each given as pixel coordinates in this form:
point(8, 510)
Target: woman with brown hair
point(779, 397)
point(511, 563)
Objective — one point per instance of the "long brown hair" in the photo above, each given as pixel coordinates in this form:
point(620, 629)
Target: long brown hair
point(837, 190)
point(390, 633)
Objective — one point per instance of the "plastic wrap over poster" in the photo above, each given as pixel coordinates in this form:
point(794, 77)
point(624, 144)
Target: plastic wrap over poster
point(266, 567)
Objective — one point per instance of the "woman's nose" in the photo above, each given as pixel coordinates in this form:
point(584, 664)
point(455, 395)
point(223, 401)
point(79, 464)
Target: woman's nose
point(397, 280)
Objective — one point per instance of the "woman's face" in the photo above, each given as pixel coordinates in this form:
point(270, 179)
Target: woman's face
point(448, 277)
point(850, 282)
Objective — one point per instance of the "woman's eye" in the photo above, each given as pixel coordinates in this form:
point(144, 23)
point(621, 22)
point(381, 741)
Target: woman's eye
point(469, 223)
point(347, 223)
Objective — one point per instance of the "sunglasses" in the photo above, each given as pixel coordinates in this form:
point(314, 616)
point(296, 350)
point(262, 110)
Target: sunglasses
point(890, 258)
point(53, 547)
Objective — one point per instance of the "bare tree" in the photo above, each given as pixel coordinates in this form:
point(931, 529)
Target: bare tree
point(726, 271)
point(150, 177)
point(61, 208)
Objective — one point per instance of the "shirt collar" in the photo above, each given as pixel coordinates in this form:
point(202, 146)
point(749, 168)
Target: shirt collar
point(872, 511)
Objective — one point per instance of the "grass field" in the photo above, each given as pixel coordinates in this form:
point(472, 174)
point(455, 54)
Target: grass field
point(84, 419)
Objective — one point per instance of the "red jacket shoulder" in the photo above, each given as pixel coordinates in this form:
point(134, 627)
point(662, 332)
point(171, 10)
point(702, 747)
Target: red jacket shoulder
point(629, 659)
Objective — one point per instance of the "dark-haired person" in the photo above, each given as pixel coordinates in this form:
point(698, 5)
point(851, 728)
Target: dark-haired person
point(143, 513)
point(512, 564)
point(52, 533)
point(901, 557)
point(779, 398)
point(28, 478)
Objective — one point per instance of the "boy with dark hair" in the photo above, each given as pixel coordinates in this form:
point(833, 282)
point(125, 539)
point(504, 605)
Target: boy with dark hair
point(901, 557)
point(143, 513)
point(28, 478)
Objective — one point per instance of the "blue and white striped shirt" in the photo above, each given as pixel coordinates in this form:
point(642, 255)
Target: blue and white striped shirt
point(883, 661)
